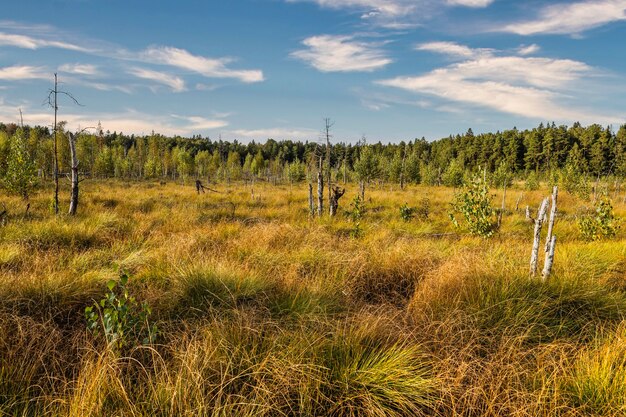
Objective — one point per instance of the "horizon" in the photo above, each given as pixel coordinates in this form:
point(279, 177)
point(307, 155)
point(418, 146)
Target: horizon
point(389, 70)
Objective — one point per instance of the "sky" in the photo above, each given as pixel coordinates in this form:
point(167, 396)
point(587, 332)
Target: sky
point(386, 70)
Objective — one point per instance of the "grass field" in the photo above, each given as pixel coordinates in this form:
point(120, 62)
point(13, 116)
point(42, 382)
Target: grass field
point(262, 311)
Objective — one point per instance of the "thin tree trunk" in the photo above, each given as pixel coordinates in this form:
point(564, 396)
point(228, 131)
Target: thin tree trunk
point(320, 190)
point(537, 237)
point(328, 171)
point(334, 200)
point(553, 209)
point(74, 178)
point(547, 267)
point(56, 153)
point(311, 204)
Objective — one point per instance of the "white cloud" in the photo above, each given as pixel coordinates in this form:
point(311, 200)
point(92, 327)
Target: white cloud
point(470, 3)
point(23, 72)
point(28, 42)
point(35, 37)
point(177, 84)
point(198, 123)
point(129, 121)
point(453, 49)
point(537, 88)
point(571, 18)
point(528, 49)
point(80, 69)
point(329, 53)
point(396, 14)
point(208, 67)
point(274, 133)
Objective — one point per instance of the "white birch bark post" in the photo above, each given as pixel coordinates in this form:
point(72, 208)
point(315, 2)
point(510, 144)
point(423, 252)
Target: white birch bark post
point(555, 195)
point(537, 238)
point(547, 266)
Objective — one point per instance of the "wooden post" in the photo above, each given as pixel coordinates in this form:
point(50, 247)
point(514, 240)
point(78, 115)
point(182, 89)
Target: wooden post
point(537, 237)
point(555, 195)
point(547, 266)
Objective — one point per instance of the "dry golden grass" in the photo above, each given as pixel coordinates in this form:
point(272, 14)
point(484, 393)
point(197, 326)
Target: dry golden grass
point(264, 311)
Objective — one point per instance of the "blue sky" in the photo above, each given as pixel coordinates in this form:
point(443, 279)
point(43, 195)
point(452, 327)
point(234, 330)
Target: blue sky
point(389, 70)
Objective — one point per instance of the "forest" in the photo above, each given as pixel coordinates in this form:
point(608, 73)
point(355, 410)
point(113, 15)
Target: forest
point(546, 151)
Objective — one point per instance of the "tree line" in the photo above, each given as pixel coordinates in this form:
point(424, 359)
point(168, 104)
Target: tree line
point(547, 150)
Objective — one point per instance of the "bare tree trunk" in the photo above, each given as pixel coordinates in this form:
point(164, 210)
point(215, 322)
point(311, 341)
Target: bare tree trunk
point(553, 208)
point(547, 266)
point(328, 125)
point(320, 190)
point(56, 152)
point(402, 169)
point(503, 206)
point(311, 204)
point(334, 200)
point(362, 189)
point(74, 178)
point(537, 237)
point(519, 199)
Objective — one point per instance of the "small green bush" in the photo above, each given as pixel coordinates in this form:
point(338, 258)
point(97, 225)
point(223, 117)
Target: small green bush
point(474, 204)
point(407, 213)
point(120, 318)
point(599, 223)
point(357, 209)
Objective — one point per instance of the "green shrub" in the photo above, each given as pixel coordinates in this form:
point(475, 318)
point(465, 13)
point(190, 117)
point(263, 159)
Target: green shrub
point(120, 318)
point(474, 204)
point(407, 213)
point(357, 209)
point(599, 223)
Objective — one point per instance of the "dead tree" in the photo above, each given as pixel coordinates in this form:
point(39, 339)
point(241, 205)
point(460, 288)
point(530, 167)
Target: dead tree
point(328, 124)
point(553, 208)
point(547, 266)
point(320, 189)
point(311, 204)
point(337, 193)
point(541, 215)
point(201, 187)
point(519, 199)
point(53, 102)
point(550, 239)
point(74, 176)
